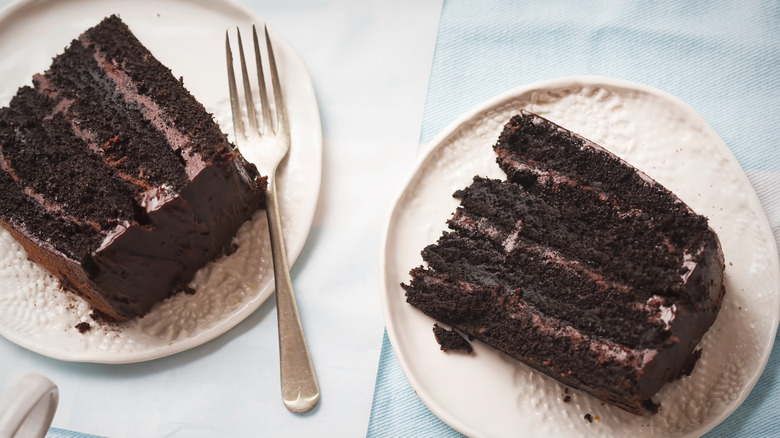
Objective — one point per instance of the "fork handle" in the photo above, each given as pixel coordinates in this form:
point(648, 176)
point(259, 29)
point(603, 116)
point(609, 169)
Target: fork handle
point(300, 391)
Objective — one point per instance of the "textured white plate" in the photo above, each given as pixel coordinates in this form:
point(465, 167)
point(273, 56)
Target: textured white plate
point(490, 395)
point(189, 38)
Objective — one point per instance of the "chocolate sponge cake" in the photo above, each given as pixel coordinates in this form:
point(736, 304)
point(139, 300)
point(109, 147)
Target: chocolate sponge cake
point(578, 265)
point(115, 178)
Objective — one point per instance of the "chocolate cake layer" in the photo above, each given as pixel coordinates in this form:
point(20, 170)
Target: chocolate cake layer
point(578, 265)
point(115, 178)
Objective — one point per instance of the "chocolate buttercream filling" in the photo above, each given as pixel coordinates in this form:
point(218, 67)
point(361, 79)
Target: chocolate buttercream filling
point(179, 142)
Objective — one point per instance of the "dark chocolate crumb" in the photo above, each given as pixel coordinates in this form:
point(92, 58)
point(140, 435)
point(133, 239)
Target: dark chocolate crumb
point(83, 327)
point(233, 247)
point(687, 369)
point(650, 406)
point(188, 290)
point(99, 316)
point(589, 418)
point(567, 399)
point(450, 339)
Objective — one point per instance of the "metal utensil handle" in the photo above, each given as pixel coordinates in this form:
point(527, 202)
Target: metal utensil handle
point(300, 391)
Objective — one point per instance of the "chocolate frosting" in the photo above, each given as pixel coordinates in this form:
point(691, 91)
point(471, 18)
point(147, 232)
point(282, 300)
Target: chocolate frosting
point(145, 263)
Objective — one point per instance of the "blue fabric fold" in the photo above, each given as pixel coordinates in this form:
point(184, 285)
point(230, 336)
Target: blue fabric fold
point(64, 433)
point(396, 410)
point(721, 57)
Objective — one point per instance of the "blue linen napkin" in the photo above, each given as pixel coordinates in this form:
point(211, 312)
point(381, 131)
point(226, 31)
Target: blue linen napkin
point(64, 433)
point(721, 57)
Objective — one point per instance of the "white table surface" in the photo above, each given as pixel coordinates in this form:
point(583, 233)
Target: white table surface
point(369, 61)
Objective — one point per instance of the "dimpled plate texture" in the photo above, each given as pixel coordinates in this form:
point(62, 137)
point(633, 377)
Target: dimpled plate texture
point(489, 394)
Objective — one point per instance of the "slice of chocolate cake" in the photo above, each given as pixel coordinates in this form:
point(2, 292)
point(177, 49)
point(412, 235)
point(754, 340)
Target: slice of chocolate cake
point(115, 178)
point(578, 265)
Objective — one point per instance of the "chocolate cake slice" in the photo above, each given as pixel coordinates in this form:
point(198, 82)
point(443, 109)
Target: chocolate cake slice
point(578, 265)
point(115, 178)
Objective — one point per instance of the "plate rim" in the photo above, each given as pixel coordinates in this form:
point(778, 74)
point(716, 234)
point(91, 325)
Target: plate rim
point(247, 308)
point(437, 143)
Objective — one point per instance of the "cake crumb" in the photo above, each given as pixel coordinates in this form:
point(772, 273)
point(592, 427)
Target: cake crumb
point(651, 406)
point(589, 418)
point(99, 316)
point(450, 340)
point(231, 249)
point(83, 327)
point(687, 369)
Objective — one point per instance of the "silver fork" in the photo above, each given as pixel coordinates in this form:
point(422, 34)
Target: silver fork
point(266, 147)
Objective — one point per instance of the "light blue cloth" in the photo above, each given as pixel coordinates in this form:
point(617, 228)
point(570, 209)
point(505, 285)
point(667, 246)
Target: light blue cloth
point(64, 433)
point(721, 57)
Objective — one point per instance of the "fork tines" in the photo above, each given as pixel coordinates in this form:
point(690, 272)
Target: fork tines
point(266, 126)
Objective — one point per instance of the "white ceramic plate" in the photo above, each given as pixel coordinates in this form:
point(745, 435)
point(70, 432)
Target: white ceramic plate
point(189, 38)
point(490, 395)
